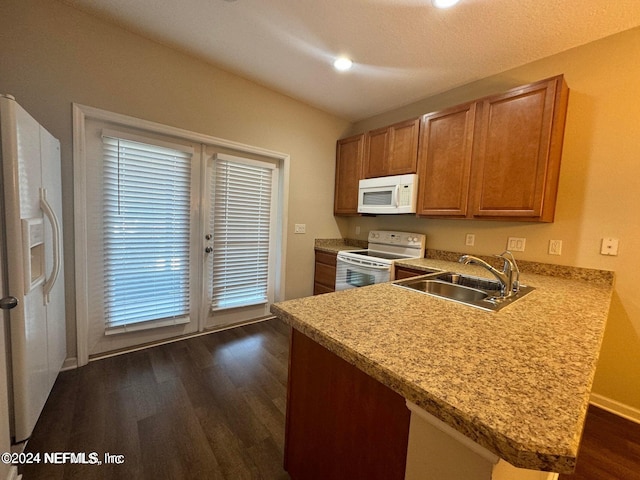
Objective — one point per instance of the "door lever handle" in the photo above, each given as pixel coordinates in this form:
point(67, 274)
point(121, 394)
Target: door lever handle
point(8, 303)
point(208, 249)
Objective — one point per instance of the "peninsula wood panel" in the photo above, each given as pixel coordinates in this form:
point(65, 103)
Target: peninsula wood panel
point(444, 159)
point(360, 433)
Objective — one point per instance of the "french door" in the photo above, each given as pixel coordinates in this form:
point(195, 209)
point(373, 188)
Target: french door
point(240, 237)
point(173, 235)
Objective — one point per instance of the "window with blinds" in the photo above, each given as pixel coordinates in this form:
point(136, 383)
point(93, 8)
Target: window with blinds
point(241, 216)
point(147, 192)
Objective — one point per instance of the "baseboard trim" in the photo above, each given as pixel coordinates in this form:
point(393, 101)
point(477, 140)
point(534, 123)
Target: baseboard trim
point(69, 364)
point(178, 339)
point(72, 362)
point(615, 407)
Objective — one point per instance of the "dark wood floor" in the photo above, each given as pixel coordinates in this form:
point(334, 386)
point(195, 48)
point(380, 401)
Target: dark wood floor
point(211, 407)
point(610, 448)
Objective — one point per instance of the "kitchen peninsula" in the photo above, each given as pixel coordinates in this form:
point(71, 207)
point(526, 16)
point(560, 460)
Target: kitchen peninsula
point(511, 385)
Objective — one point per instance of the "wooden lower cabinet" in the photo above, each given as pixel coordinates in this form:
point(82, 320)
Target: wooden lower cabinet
point(324, 277)
point(341, 423)
point(404, 272)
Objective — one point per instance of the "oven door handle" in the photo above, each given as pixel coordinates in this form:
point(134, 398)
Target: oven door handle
point(362, 264)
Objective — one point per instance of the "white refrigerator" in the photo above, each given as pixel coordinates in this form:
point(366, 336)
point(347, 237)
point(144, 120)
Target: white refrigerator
point(31, 232)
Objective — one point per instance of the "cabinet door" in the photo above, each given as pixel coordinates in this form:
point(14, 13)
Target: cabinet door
point(324, 278)
point(392, 150)
point(403, 151)
point(519, 144)
point(376, 161)
point(349, 155)
point(444, 159)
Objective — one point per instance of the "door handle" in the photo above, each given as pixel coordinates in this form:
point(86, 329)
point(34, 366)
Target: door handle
point(208, 249)
point(55, 228)
point(8, 303)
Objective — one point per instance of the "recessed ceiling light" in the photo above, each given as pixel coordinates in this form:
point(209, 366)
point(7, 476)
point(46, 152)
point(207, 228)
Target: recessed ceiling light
point(342, 64)
point(444, 3)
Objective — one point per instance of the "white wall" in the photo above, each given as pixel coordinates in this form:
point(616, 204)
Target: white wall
point(53, 55)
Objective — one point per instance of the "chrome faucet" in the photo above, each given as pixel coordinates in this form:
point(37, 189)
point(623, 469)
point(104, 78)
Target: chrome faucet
point(509, 277)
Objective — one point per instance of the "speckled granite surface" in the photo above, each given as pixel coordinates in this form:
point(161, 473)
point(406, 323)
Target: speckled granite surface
point(334, 245)
point(516, 382)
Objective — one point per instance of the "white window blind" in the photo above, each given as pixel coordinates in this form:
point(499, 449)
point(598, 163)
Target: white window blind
point(241, 206)
point(147, 191)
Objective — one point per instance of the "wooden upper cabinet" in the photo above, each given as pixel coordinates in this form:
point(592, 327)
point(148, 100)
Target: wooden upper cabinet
point(444, 159)
point(392, 150)
point(497, 158)
point(349, 157)
point(518, 145)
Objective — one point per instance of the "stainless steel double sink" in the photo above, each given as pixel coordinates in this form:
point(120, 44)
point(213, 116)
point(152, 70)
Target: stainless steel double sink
point(466, 289)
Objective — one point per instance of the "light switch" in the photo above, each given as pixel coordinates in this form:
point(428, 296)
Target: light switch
point(609, 246)
point(300, 228)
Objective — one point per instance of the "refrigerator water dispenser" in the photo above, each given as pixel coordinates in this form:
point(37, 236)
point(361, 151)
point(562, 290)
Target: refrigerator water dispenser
point(33, 251)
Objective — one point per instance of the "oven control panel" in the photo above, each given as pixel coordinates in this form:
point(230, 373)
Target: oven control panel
point(401, 239)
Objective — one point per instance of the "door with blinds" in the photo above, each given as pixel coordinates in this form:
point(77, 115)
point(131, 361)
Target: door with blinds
point(173, 236)
point(142, 211)
point(240, 238)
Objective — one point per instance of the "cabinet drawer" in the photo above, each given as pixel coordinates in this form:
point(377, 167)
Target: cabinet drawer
point(326, 258)
point(403, 272)
point(325, 275)
point(319, 289)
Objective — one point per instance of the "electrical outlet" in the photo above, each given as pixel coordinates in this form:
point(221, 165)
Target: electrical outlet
point(357, 229)
point(470, 240)
point(300, 228)
point(609, 246)
point(555, 247)
point(516, 244)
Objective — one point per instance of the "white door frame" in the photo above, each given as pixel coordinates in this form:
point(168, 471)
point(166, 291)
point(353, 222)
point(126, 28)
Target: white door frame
point(82, 113)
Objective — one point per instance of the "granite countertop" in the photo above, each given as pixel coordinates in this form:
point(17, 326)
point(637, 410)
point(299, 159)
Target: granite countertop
point(516, 382)
point(336, 245)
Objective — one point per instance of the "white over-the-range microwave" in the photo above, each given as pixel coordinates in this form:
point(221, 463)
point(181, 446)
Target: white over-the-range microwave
point(388, 195)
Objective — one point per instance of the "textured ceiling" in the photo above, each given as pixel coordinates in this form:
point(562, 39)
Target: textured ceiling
point(403, 50)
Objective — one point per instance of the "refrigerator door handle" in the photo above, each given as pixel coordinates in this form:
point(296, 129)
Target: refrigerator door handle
point(55, 227)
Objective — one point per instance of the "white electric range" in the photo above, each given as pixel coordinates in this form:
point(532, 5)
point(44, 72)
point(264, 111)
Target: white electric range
point(359, 268)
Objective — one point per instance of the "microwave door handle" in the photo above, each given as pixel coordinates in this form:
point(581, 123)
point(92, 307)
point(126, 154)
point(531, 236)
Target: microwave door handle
point(396, 195)
point(362, 264)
